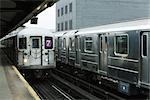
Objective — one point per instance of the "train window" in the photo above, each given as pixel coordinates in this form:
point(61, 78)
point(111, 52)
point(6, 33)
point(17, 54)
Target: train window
point(101, 40)
point(88, 44)
point(11, 42)
point(121, 44)
point(73, 44)
point(48, 42)
point(56, 44)
point(35, 43)
point(22, 43)
point(58, 27)
point(59, 42)
point(70, 44)
point(64, 43)
point(144, 45)
point(77, 44)
point(106, 40)
point(2, 42)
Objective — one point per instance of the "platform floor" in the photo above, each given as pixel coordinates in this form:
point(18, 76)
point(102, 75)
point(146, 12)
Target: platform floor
point(11, 86)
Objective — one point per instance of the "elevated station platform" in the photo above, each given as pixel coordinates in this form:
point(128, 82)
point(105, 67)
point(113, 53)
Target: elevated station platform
point(11, 85)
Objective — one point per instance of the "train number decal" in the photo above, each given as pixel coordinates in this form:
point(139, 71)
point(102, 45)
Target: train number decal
point(48, 42)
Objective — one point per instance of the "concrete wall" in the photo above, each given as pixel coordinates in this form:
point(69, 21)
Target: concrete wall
point(99, 12)
point(87, 13)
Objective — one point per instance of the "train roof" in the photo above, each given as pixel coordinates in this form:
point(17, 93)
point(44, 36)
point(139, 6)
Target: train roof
point(32, 31)
point(69, 33)
point(29, 31)
point(57, 34)
point(2, 39)
point(66, 33)
point(124, 26)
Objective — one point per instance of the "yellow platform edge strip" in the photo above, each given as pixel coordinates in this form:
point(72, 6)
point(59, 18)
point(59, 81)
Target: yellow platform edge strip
point(30, 89)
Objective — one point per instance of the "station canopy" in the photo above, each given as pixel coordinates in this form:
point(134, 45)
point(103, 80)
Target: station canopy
point(14, 13)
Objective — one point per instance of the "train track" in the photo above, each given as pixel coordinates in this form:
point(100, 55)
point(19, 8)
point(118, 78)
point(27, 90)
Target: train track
point(55, 88)
point(64, 86)
point(74, 90)
point(93, 89)
point(46, 90)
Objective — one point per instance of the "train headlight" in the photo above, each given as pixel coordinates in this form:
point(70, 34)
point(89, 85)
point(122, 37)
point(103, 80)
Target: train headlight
point(25, 60)
point(46, 60)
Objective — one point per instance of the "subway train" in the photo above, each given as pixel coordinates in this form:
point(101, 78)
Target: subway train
point(31, 50)
point(115, 55)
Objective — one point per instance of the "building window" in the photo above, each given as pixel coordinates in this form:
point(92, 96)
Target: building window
point(88, 44)
point(58, 27)
point(62, 26)
point(66, 9)
point(58, 13)
point(70, 7)
point(66, 25)
point(121, 44)
point(70, 24)
point(62, 11)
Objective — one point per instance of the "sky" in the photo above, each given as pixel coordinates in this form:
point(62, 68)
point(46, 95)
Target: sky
point(46, 19)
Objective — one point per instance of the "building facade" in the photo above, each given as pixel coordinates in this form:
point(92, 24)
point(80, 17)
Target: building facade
point(76, 14)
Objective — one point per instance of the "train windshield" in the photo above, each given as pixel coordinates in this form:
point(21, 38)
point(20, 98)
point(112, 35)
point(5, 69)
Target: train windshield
point(35, 43)
point(22, 43)
point(48, 42)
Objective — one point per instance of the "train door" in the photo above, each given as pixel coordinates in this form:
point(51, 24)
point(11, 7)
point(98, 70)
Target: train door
point(22, 44)
point(103, 54)
point(35, 50)
point(48, 52)
point(15, 54)
point(64, 56)
point(77, 50)
point(59, 48)
point(145, 50)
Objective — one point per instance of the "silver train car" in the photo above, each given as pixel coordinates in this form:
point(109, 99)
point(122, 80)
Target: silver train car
point(117, 55)
point(31, 49)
